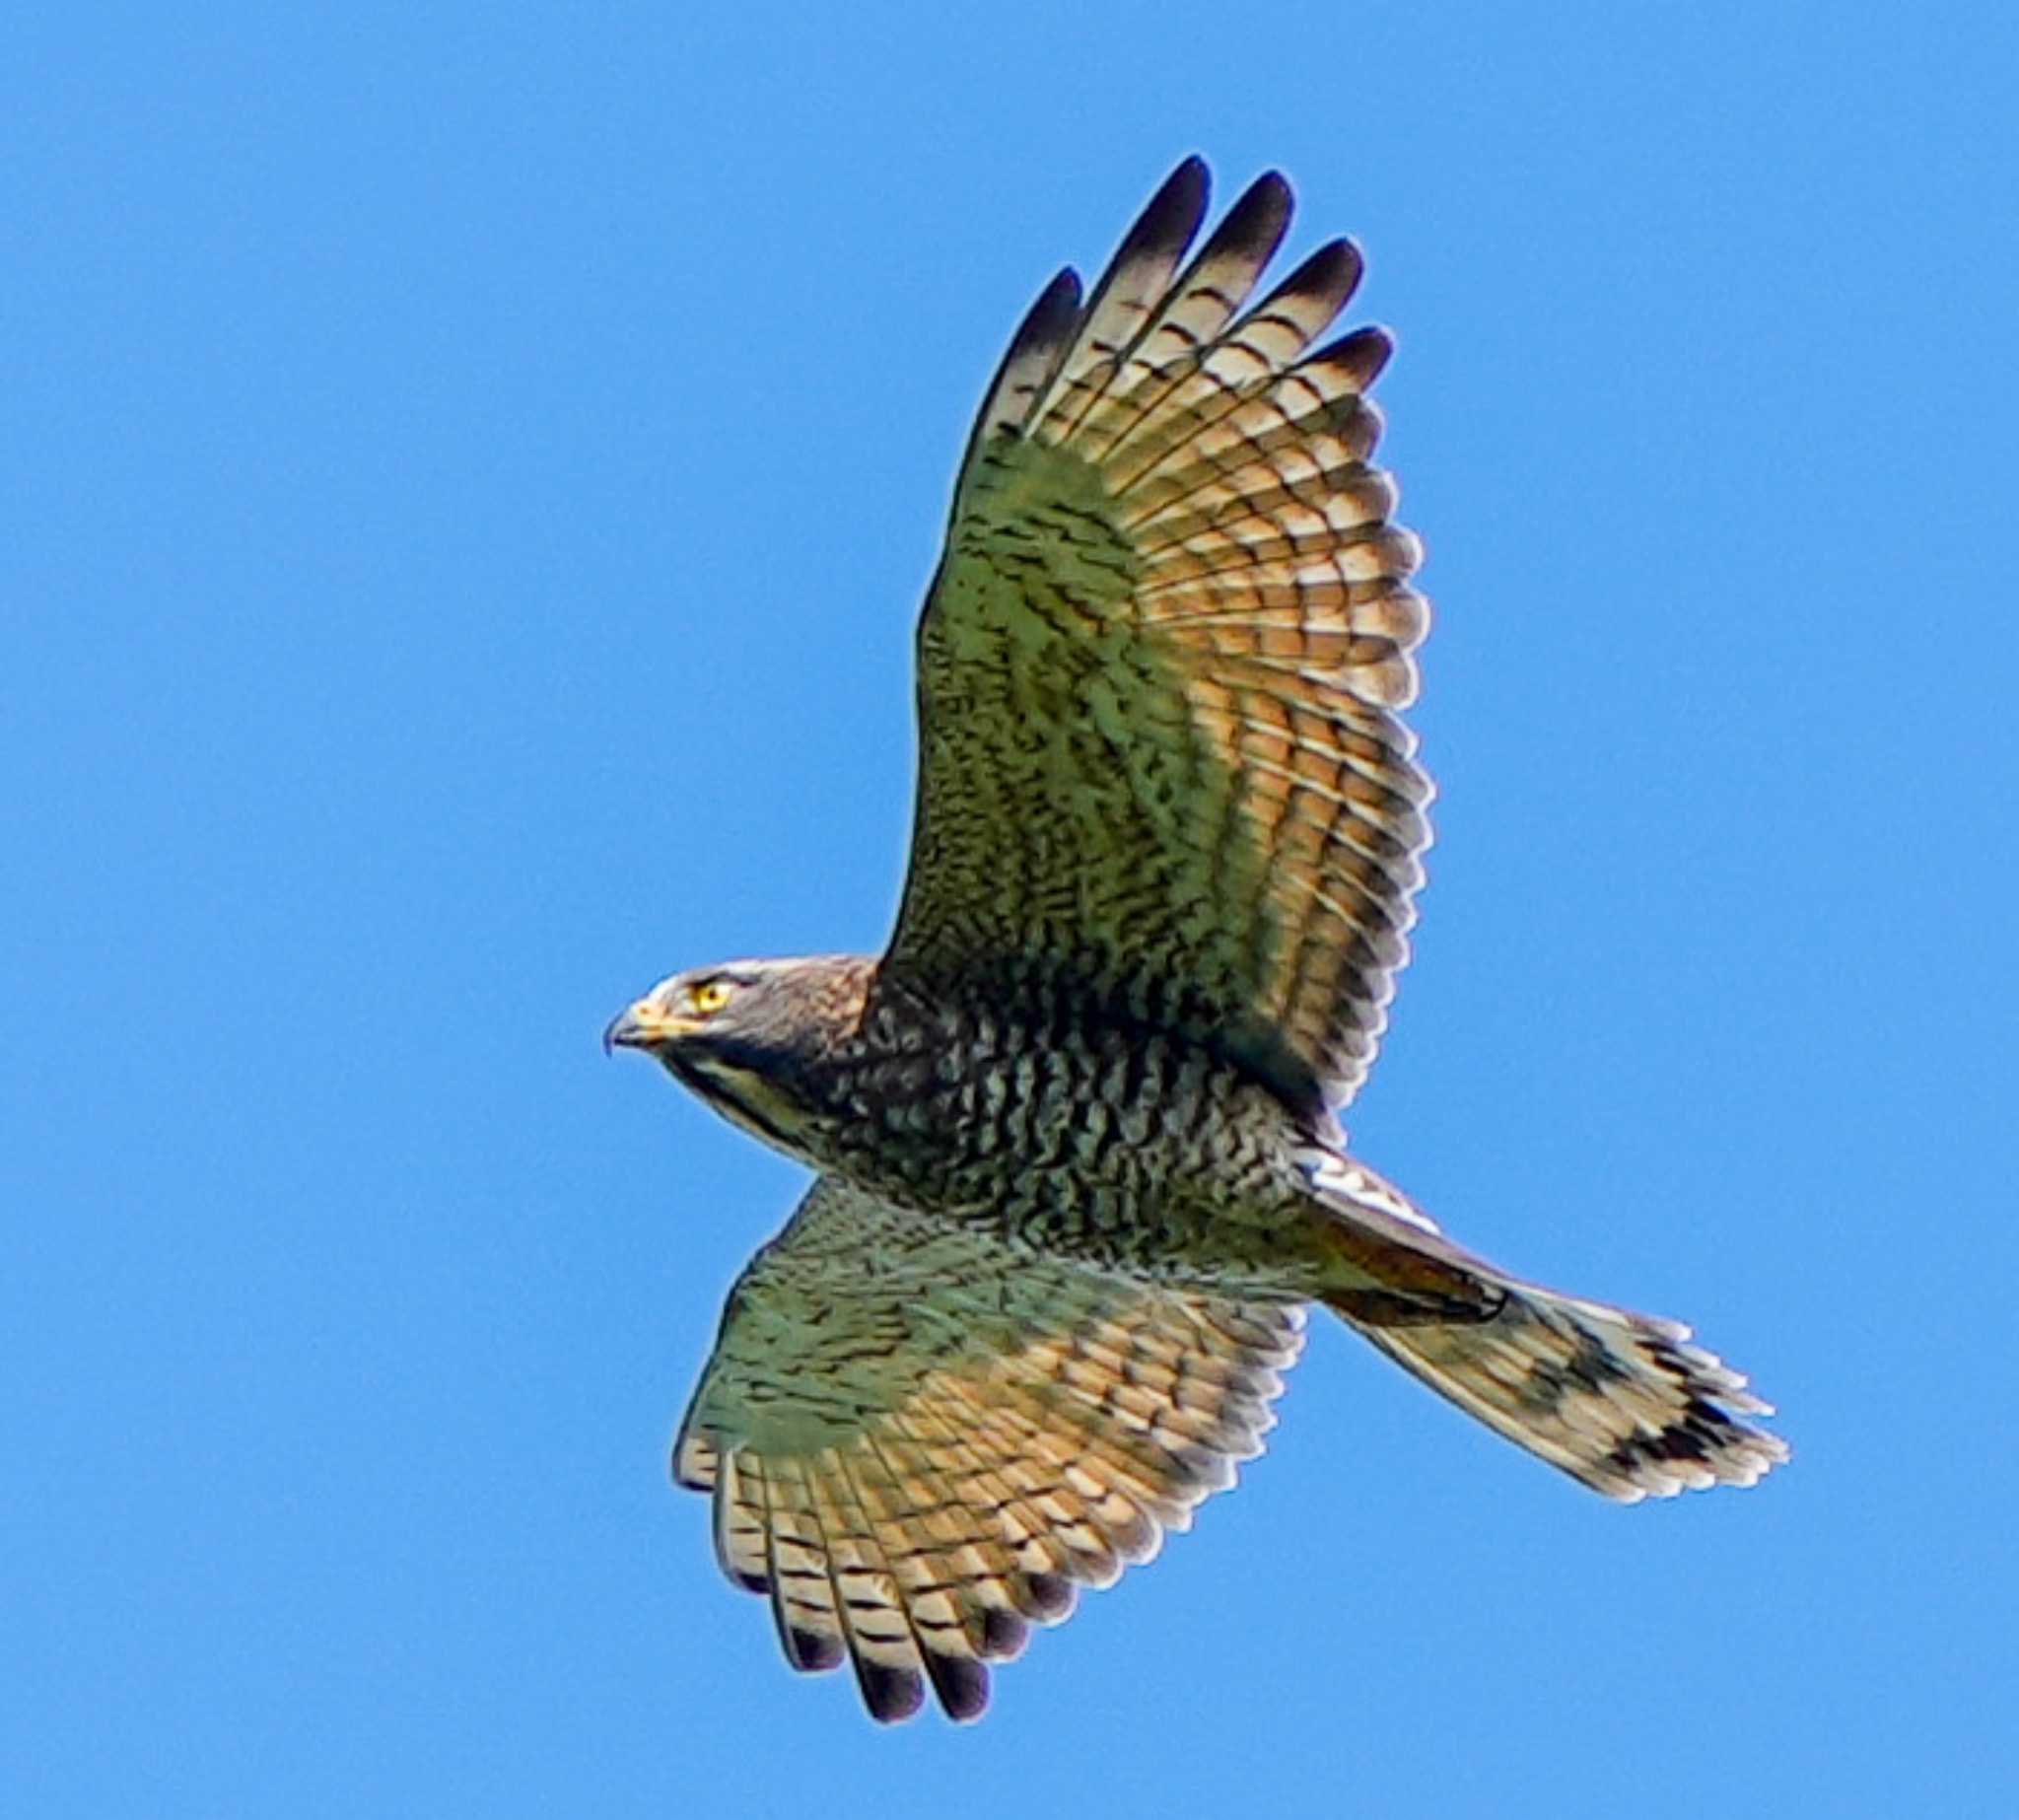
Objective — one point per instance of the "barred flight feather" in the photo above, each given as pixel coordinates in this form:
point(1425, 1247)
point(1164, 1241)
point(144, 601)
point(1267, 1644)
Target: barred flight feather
point(1032, 1427)
point(1169, 514)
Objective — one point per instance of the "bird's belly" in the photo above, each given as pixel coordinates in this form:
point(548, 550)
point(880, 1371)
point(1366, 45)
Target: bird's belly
point(1153, 1160)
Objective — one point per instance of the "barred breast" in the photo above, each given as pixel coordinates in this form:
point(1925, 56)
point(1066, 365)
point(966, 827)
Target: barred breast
point(1071, 1127)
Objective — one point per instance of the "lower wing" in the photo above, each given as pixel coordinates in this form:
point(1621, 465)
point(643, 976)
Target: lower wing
point(921, 1439)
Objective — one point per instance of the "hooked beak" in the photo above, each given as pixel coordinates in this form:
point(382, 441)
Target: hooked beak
point(643, 1025)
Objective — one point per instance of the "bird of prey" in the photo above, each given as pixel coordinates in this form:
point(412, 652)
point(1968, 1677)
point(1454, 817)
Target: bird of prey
point(1080, 1169)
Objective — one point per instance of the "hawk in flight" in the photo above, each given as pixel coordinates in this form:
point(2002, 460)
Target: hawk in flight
point(1078, 1164)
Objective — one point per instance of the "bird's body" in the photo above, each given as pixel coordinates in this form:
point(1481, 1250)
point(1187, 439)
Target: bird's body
point(1079, 1164)
point(1059, 1124)
point(1038, 1114)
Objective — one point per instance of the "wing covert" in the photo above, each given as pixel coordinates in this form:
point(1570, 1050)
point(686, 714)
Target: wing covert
point(920, 1440)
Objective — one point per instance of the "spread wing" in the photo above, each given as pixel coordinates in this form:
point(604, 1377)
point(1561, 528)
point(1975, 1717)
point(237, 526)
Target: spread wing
point(1160, 666)
point(919, 1440)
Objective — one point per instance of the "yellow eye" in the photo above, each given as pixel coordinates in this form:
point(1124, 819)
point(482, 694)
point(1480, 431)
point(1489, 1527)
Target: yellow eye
point(710, 996)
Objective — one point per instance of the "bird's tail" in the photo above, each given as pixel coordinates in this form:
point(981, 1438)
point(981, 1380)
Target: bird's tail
point(1621, 1402)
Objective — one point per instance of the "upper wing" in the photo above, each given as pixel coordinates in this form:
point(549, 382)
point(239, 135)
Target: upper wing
point(920, 1439)
point(1159, 666)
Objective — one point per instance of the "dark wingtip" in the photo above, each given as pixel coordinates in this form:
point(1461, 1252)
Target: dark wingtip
point(811, 1652)
point(1335, 269)
point(1170, 217)
point(1003, 1634)
point(1050, 318)
point(1048, 1597)
point(1328, 278)
point(961, 1683)
point(893, 1694)
point(1259, 215)
point(1191, 179)
point(1365, 353)
point(1047, 325)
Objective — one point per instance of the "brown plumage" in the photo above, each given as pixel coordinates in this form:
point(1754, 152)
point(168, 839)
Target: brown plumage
point(1079, 1167)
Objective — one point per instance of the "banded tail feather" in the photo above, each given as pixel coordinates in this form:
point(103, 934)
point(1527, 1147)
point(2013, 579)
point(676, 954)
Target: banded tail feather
point(1625, 1403)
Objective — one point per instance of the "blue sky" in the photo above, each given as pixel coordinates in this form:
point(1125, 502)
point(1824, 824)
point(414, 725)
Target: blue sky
point(470, 474)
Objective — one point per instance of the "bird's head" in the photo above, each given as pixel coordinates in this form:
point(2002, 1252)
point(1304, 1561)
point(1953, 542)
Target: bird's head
point(750, 1036)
